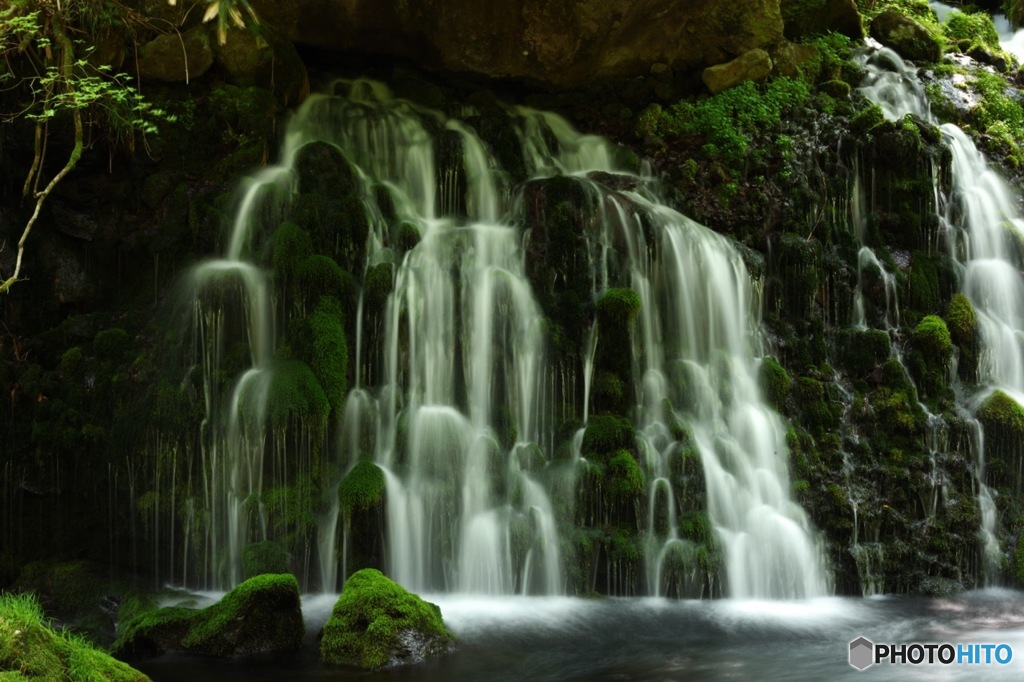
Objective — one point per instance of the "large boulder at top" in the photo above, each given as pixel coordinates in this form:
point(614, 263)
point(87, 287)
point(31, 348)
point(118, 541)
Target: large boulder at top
point(261, 615)
point(808, 17)
point(377, 624)
point(559, 42)
point(909, 38)
point(754, 65)
point(175, 58)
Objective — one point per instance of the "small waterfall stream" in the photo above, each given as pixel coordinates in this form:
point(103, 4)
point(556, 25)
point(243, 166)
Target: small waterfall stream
point(978, 219)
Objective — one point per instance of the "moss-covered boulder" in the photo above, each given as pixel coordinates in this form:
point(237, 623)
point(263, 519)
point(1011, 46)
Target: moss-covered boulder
point(803, 18)
point(377, 624)
point(753, 65)
point(31, 649)
point(362, 488)
point(909, 38)
point(261, 615)
point(962, 322)
point(775, 382)
point(930, 356)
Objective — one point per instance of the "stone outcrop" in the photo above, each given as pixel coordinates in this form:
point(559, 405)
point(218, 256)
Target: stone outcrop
point(808, 17)
point(557, 42)
point(754, 65)
point(909, 38)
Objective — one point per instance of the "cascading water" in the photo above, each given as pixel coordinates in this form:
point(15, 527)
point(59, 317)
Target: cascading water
point(456, 398)
point(977, 222)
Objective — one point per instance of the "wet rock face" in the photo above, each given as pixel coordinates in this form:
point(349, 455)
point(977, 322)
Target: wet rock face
point(559, 42)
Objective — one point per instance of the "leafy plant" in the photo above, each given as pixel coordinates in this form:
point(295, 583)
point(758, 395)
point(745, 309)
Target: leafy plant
point(50, 69)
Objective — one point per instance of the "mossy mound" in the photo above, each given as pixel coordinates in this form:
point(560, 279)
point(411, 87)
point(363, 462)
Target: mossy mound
point(362, 487)
point(295, 394)
point(29, 648)
point(1002, 417)
point(261, 615)
point(377, 624)
point(775, 382)
point(264, 557)
point(962, 322)
point(605, 435)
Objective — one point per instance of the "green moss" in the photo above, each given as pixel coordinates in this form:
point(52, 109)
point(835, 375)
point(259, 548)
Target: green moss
point(292, 245)
point(607, 434)
point(775, 382)
point(362, 488)
point(260, 615)
point(372, 616)
point(923, 285)
point(930, 356)
point(377, 287)
point(264, 557)
point(295, 394)
point(867, 118)
point(245, 602)
point(618, 307)
point(624, 480)
point(961, 320)
point(1018, 560)
point(111, 344)
point(29, 648)
point(321, 275)
point(975, 27)
point(859, 352)
point(328, 350)
point(1003, 416)
point(819, 413)
point(71, 361)
point(68, 589)
point(726, 121)
point(408, 236)
point(932, 337)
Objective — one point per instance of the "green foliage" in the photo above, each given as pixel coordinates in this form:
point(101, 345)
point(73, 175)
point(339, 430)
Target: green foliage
point(727, 121)
point(377, 287)
point(932, 337)
point(209, 625)
point(1018, 560)
point(962, 321)
point(1002, 415)
point(329, 350)
point(261, 614)
point(292, 246)
point(867, 118)
point(30, 648)
point(618, 307)
point(320, 275)
point(775, 382)
point(111, 344)
point(371, 617)
point(625, 480)
point(999, 114)
point(263, 557)
point(362, 488)
point(975, 27)
point(295, 394)
point(605, 435)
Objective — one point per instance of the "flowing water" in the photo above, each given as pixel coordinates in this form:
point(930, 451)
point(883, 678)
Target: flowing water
point(560, 638)
point(979, 223)
point(455, 395)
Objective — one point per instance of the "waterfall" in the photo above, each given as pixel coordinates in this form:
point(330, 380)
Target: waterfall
point(457, 398)
point(978, 220)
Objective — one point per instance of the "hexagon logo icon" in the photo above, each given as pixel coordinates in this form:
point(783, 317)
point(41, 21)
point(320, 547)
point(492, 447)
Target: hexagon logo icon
point(862, 653)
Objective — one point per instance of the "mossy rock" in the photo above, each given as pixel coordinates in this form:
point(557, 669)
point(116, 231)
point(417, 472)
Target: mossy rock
point(328, 350)
point(932, 337)
point(930, 356)
point(291, 246)
point(377, 287)
point(860, 352)
point(962, 322)
point(362, 488)
point(606, 435)
point(69, 589)
point(775, 383)
point(377, 624)
point(624, 480)
point(909, 38)
point(31, 649)
point(261, 615)
point(1003, 419)
point(263, 557)
point(295, 394)
point(323, 169)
